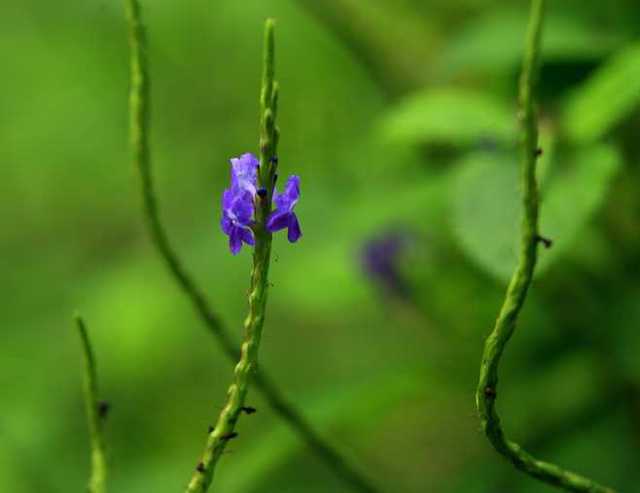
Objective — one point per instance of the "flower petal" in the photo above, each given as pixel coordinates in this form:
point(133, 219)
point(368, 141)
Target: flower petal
point(242, 208)
point(288, 199)
point(244, 172)
point(278, 220)
point(227, 199)
point(294, 232)
point(247, 236)
point(235, 240)
point(225, 223)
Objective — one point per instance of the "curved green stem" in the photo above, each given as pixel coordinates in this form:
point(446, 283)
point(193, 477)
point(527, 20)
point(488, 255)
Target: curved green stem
point(97, 480)
point(139, 136)
point(495, 344)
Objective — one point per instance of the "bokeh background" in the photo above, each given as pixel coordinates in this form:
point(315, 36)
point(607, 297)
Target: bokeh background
point(399, 116)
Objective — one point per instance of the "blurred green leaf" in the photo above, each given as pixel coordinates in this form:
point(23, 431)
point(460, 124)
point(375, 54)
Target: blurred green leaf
point(606, 98)
point(624, 322)
point(494, 42)
point(574, 194)
point(450, 116)
point(486, 204)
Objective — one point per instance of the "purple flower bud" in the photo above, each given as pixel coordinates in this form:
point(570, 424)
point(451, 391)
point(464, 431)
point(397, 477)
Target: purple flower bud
point(283, 216)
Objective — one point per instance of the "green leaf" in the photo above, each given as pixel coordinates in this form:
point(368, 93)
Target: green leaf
point(574, 195)
point(450, 116)
point(486, 204)
point(608, 97)
point(494, 42)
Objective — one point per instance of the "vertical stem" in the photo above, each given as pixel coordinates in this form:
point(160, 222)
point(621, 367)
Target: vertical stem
point(139, 103)
point(97, 480)
point(247, 366)
point(505, 325)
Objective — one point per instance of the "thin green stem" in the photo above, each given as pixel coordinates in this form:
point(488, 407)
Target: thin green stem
point(97, 479)
point(224, 429)
point(495, 344)
point(139, 136)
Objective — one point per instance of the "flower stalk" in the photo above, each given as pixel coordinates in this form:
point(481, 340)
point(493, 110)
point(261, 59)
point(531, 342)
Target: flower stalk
point(98, 477)
point(505, 325)
point(224, 430)
point(139, 108)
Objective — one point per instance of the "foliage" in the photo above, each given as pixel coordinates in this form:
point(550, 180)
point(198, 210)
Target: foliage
point(386, 375)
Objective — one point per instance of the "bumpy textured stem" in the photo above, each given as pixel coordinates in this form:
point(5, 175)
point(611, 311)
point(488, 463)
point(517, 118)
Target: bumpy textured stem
point(224, 429)
point(139, 132)
point(97, 480)
point(495, 344)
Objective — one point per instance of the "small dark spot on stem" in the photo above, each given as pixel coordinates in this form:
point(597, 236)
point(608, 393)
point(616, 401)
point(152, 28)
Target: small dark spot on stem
point(103, 409)
point(490, 392)
point(210, 429)
point(229, 436)
point(200, 467)
point(248, 409)
point(274, 160)
point(538, 152)
point(275, 178)
point(262, 192)
point(547, 242)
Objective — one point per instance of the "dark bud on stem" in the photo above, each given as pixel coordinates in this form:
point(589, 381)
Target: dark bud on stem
point(249, 409)
point(103, 409)
point(275, 178)
point(262, 192)
point(229, 436)
point(200, 467)
point(548, 243)
point(538, 152)
point(210, 429)
point(490, 392)
point(274, 160)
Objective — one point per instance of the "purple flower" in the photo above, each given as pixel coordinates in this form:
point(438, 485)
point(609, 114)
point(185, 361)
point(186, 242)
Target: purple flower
point(238, 202)
point(381, 256)
point(283, 216)
point(244, 172)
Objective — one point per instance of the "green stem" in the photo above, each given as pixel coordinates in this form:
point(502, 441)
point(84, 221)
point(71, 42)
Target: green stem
point(139, 135)
point(97, 480)
point(495, 344)
point(223, 431)
point(248, 363)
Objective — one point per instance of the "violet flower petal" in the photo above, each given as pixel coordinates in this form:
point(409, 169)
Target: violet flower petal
point(247, 236)
point(278, 220)
point(235, 240)
point(294, 232)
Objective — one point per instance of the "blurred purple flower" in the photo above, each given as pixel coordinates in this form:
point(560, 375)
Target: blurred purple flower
point(283, 216)
point(238, 202)
point(380, 257)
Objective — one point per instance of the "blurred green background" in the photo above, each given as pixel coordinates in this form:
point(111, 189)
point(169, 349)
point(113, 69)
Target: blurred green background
point(399, 116)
